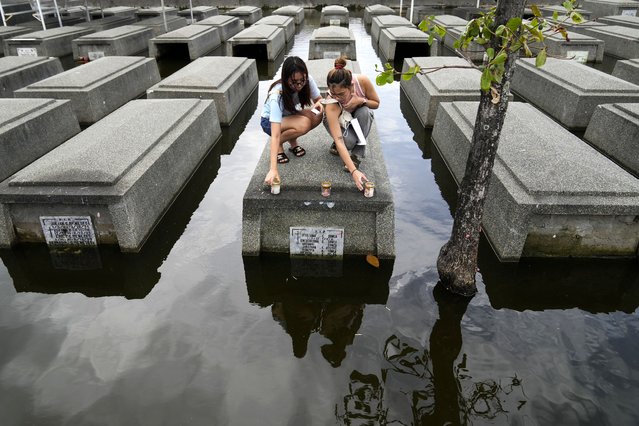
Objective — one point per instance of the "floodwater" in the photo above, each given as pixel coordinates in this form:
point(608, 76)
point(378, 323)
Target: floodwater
point(188, 332)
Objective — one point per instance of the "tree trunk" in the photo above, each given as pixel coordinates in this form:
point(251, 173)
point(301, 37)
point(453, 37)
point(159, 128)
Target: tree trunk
point(457, 262)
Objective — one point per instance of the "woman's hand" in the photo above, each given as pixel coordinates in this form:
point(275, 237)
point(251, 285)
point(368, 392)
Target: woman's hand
point(272, 174)
point(359, 178)
point(354, 103)
point(318, 106)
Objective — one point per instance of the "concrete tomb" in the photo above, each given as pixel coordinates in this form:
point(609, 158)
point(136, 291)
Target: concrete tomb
point(474, 51)
point(157, 24)
point(29, 128)
point(614, 130)
point(98, 88)
point(581, 47)
point(296, 12)
point(550, 194)
point(227, 25)
point(53, 42)
point(447, 22)
point(230, 86)
point(364, 225)
point(108, 22)
point(112, 183)
point(9, 32)
point(199, 12)
point(627, 70)
point(468, 12)
point(128, 40)
point(247, 14)
point(116, 11)
point(286, 23)
point(378, 23)
point(622, 42)
point(569, 91)
point(397, 43)
point(376, 10)
point(17, 72)
point(191, 41)
point(258, 42)
point(334, 15)
point(548, 11)
point(623, 21)
point(319, 68)
point(152, 12)
point(332, 42)
point(455, 81)
point(601, 8)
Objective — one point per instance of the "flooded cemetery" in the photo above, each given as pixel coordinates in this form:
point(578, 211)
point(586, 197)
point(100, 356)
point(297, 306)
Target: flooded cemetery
point(148, 276)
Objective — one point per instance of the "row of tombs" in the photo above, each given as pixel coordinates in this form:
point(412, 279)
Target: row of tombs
point(552, 194)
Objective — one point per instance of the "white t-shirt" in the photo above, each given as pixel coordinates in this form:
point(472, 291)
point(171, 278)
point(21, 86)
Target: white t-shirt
point(274, 105)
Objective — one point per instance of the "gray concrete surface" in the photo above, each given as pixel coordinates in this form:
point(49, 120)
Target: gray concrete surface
point(579, 46)
point(157, 24)
point(98, 88)
point(108, 22)
point(127, 40)
point(622, 42)
point(407, 39)
point(9, 32)
point(474, 51)
point(199, 12)
point(368, 223)
point(627, 70)
point(198, 39)
point(123, 173)
point(548, 11)
point(246, 14)
point(295, 12)
point(614, 130)
point(319, 68)
point(116, 11)
point(287, 23)
point(256, 41)
point(152, 12)
point(227, 25)
point(376, 10)
point(53, 42)
point(386, 21)
point(623, 21)
point(569, 91)
point(551, 194)
point(17, 72)
point(29, 128)
point(334, 15)
point(601, 8)
point(230, 86)
point(332, 42)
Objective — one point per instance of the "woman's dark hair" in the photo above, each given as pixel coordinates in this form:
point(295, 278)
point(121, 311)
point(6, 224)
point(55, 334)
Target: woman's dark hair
point(339, 75)
point(291, 65)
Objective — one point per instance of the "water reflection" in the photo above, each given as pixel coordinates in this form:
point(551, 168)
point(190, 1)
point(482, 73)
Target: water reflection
point(328, 300)
point(439, 390)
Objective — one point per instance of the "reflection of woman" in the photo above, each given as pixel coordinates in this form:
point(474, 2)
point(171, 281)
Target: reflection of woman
point(352, 94)
point(284, 118)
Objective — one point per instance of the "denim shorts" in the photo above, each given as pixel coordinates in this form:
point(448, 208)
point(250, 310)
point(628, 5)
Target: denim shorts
point(266, 125)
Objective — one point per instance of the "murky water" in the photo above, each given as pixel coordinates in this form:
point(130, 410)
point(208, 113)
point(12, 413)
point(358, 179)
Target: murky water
point(189, 332)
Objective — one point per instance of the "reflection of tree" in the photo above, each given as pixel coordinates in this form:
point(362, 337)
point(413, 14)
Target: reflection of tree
point(338, 322)
point(438, 391)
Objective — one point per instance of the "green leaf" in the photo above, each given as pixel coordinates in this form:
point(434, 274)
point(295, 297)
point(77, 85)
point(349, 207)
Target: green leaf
point(430, 39)
point(408, 76)
point(390, 78)
point(500, 29)
point(457, 44)
point(380, 80)
point(576, 17)
point(513, 24)
point(568, 6)
point(491, 53)
point(555, 15)
point(541, 58)
point(388, 66)
point(441, 31)
point(535, 10)
point(515, 46)
point(481, 41)
point(500, 59)
point(486, 79)
point(424, 26)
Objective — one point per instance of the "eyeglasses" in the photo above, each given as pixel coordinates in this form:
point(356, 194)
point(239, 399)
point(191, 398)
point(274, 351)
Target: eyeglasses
point(299, 83)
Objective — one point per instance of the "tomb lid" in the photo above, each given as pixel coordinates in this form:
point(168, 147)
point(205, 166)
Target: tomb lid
point(244, 9)
point(338, 10)
point(123, 31)
point(187, 32)
point(257, 32)
point(573, 37)
point(618, 31)
point(52, 33)
point(332, 31)
point(407, 33)
point(378, 8)
point(392, 20)
point(15, 108)
point(289, 9)
point(198, 75)
point(10, 64)
point(450, 21)
point(630, 109)
point(274, 20)
point(450, 80)
point(218, 20)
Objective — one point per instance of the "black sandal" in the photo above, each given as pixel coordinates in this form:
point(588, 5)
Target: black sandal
point(282, 158)
point(298, 151)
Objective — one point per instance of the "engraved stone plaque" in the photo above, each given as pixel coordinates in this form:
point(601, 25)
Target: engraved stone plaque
point(629, 12)
point(316, 242)
point(332, 55)
point(336, 22)
point(27, 51)
point(580, 56)
point(71, 231)
point(96, 55)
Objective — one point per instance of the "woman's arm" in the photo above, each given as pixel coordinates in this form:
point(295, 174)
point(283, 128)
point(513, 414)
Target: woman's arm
point(275, 147)
point(372, 99)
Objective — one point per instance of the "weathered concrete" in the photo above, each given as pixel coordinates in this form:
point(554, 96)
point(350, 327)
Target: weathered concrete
point(319, 68)
point(246, 14)
point(53, 42)
point(551, 194)
point(9, 32)
point(196, 39)
point(627, 70)
point(579, 47)
point(548, 11)
point(447, 22)
point(199, 12)
point(623, 21)
point(376, 10)
point(468, 12)
point(601, 8)
point(152, 12)
point(378, 23)
point(334, 15)
point(474, 51)
point(286, 23)
point(123, 172)
point(230, 86)
point(368, 223)
point(614, 130)
point(295, 12)
point(397, 43)
point(227, 25)
point(108, 22)
point(128, 40)
point(116, 11)
point(258, 42)
point(29, 128)
point(157, 24)
point(98, 88)
point(17, 72)
point(576, 89)
point(455, 81)
point(332, 42)
point(622, 42)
